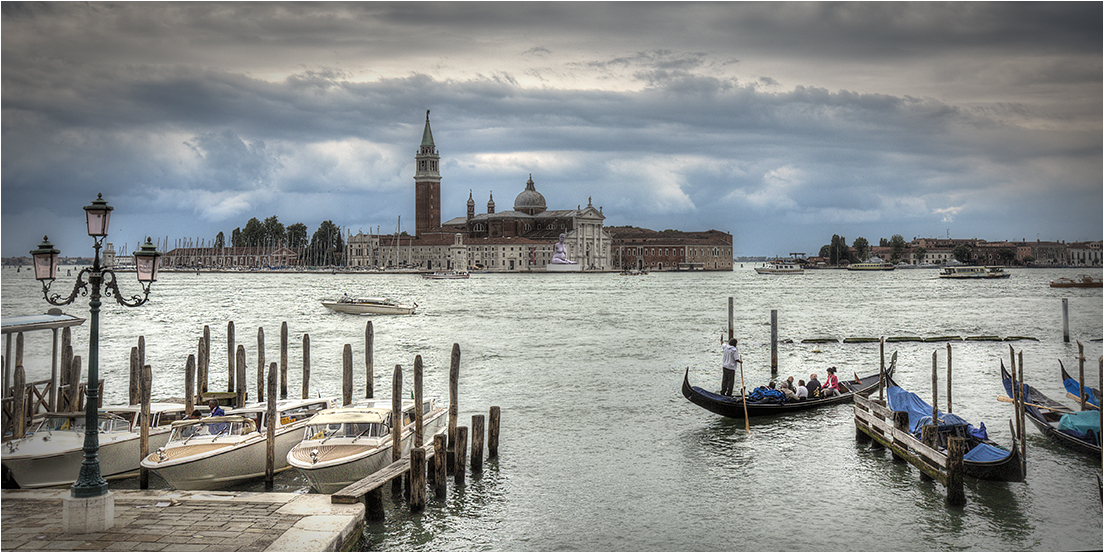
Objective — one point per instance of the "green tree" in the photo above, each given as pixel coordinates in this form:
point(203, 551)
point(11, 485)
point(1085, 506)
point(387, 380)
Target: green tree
point(862, 248)
point(962, 253)
point(838, 252)
point(897, 242)
point(1006, 255)
point(327, 247)
point(825, 251)
point(274, 233)
point(220, 240)
point(920, 253)
point(253, 234)
point(1028, 259)
point(882, 242)
point(296, 235)
point(236, 238)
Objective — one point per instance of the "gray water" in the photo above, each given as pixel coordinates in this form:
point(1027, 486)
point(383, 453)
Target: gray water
point(599, 449)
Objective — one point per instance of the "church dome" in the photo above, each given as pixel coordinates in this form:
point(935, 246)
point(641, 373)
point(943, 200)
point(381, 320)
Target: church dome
point(529, 201)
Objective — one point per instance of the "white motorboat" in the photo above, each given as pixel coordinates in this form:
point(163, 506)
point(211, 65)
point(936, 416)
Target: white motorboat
point(220, 452)
point(445, 275)
point(872, 264)
point(379, 306)
point(967, 272)
point(341, 446)
point(781, 268)
point(52, 452)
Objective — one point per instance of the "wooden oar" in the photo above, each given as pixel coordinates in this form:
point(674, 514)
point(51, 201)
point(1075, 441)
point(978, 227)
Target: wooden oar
point(1007, 399)
point(1088, 406)
point(743, 392)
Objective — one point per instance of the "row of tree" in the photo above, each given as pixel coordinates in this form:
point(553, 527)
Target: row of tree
point(325, 247)
point(837, 251)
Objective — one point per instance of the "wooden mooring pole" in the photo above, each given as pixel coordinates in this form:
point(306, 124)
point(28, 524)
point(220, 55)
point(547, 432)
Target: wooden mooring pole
point(19, 405)
point(396, 419)
point(204, 361)
point(956, 448)
point(260, 365)
point(1081, 373)
point(201, 372)
point(1065, 320)
point(454, 405)
point(477, 443)
point(189, 384)
point(417, 479)
point(461, 452)
point(774, 342)
point(369, 337)
point(440, 477)
point(935, 388)
point(419, 437)
point(347, 375)
point(306, 366)
point(135, 376)
point(270, 429)
point(881, 371)
point(731, 311)
point(144, 393)
point(283, 360)
point(230, 355)
point(492, 432)
point(949, 410)
point(240, 395)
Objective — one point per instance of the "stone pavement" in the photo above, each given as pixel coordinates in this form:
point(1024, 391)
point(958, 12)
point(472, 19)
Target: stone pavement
point(171, 520)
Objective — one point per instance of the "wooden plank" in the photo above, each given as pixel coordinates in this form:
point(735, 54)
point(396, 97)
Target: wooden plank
point(355, 491)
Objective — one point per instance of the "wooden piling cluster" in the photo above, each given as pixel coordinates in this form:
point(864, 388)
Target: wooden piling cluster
point(428, 464)
point(889, 429)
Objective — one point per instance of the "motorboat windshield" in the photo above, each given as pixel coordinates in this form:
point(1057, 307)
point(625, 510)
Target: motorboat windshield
point(211, 427)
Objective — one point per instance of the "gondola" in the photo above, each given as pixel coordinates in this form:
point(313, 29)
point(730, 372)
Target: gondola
point(1047, 415)
point(1073, 389)
point(733, 407)
point(984, 459)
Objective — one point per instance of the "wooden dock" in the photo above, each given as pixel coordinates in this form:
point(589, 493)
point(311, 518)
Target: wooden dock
point(875, 421)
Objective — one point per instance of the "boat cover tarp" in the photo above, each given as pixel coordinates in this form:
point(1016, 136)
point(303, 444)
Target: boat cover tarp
point(1073, 387)
point(919, 412)
point(985, 453)
point(1081, 423)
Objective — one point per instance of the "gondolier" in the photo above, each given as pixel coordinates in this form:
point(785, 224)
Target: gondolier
point(730, 358)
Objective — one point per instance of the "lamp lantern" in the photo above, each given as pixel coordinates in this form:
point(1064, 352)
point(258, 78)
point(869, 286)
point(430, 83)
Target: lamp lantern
point(45, 260)
point(99, 214)
point(147, 261)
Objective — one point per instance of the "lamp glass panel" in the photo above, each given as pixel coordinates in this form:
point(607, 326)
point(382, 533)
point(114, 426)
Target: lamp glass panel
point(45, 266)
point(97, 222)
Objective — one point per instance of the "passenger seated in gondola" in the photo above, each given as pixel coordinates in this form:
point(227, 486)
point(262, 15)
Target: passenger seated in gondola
point(787, 388)
point(831, 384)
point(801, 391)
point(813, 386)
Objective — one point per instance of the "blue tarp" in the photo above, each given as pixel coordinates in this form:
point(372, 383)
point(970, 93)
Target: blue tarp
point(985, 453)
point(1080, 423)
point(920, 412)
point(1073, 387)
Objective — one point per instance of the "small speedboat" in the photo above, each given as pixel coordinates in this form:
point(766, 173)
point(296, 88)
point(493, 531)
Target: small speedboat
point(52, 452)
point(449, 275)
point(1080, 281)
point(220, 452)
point(379, 306)
point(341, 446)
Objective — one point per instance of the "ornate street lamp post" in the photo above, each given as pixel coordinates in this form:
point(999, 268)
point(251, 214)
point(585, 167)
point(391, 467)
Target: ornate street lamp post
point(90, 483)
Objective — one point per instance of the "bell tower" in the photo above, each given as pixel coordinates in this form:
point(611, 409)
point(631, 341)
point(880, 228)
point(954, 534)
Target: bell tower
point(427, 184)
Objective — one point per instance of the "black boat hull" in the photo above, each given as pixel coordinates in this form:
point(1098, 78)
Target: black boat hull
point(733, 407)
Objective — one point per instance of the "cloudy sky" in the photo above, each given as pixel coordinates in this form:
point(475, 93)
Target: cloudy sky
point(781, 123)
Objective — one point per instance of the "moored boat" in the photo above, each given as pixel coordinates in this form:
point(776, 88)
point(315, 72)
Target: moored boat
point(1080, 281)
point(220, 452)
point(779, 267)
point(447, 275)
point(378, 306)
point(52, 452)
point(984, 459)
point(966, 272)
point(733, 406)
point(1078, 430)
point(873, 264)
point(343, 445)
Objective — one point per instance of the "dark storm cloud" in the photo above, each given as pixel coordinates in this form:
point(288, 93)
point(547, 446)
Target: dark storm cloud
point(803, 117)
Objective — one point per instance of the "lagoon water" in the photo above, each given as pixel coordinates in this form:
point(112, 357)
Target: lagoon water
point(599, 450)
